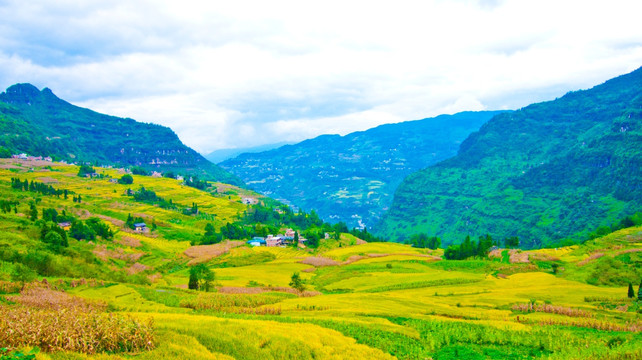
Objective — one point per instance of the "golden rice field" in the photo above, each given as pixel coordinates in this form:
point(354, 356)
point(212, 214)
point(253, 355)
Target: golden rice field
point(362, 300)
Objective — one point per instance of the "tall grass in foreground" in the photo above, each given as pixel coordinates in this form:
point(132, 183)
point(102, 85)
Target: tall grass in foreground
point(55, 321)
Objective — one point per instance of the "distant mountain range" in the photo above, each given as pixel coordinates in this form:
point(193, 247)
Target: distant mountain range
point(218, 156)
point(549, 171)
point(39, 123)
point(352, 178)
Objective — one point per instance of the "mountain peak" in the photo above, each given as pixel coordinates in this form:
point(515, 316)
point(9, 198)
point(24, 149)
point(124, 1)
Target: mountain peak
point(20, 93)
point(26, 93)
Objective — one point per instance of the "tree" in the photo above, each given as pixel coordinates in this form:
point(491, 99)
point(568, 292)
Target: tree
point(85, 169)
point(49, 214)
point(33, 212)
point(4, 152)
point(484, 245)
point(296, 282)
point(295, 242)
point(80, 231)
point(100, 228)
point(55, 241)
point(511, 242)
point(313, 238)
point(137, 170)
point(452, 252)
point(200, 278)
point(640, 291)
point(126, 179)
point(193, 279)
point(555, 267)
point(631, 292)
point(207, 277)
point(46, 235)
point(434, 243)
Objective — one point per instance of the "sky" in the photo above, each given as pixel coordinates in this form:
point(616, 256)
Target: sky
point(237, 74)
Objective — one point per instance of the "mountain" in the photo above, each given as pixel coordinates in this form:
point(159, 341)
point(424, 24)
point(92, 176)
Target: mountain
point(552, 170)
point(39, 123)
point(352, 178)
point(218, 156)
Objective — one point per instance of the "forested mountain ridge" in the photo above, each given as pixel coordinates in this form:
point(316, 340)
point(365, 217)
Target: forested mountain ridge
point(352, 178)
point(549, 171)
point(39, 123)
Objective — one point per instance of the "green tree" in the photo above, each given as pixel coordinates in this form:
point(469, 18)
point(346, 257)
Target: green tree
point(100, 228)
point(49, 214)
point(80, 231)
point(295, 242)
point(200, 278)
point(126, 179)
point(296, 282)
point(554, 267)
point(640, 291)
point(484, 245)
point(511, 242)
point(56, 241)
point(631, 292)
point(137, 170)
point(207, 278)
point(85, 169)
point(192, 283)
point(33, 212)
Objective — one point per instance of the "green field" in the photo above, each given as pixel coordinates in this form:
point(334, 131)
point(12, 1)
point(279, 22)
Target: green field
point(363, 300)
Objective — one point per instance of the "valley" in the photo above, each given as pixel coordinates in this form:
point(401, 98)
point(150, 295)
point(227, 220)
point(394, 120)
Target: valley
point(353, 178)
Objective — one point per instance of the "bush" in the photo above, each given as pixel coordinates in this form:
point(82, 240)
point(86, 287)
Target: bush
point(22, 273)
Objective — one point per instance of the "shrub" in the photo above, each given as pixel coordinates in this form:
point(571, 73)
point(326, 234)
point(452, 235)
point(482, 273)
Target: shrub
point(23, 273)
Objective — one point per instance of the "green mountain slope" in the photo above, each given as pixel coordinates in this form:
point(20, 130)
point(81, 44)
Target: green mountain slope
point(551, 170)
point(39, 123)
point(352, 178)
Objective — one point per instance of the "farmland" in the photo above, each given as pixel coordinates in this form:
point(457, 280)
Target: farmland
point(361, 300)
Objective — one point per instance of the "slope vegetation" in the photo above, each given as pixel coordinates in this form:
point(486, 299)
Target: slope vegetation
point(546, 172)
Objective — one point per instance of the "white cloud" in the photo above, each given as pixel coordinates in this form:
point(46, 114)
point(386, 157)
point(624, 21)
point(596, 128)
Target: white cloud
point(244, 73)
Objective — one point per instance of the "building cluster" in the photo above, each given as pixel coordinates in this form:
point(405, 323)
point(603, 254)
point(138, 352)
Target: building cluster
point(24, 156)
point(276, 240)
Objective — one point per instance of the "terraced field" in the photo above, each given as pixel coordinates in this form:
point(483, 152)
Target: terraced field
point(361, 300)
